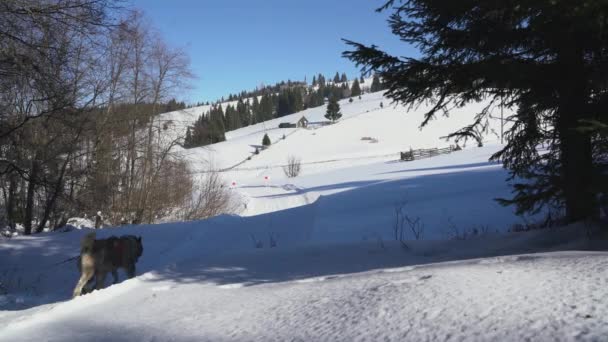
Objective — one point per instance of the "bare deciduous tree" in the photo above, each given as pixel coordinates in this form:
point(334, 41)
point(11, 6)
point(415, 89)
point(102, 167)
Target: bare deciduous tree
point(211, 197)
point(81, 86)
point(293, 167)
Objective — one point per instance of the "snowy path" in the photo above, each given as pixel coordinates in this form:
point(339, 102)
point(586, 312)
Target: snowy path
point(542, 297)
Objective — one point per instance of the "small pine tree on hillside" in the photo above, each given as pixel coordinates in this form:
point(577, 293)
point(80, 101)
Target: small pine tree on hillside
point(333, 110)
point(218, 126)
point(266, 140)
point(356, 88)
point(343, 78)
point(337, 78)
point(376, 85)
point(188, 139)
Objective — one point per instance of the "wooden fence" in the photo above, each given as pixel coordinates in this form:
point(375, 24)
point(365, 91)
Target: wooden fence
point(426, 153)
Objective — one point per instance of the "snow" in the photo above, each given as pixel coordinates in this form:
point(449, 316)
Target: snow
point(80, 222)
point(395, 127)
point(437, 290)
point(314, 258)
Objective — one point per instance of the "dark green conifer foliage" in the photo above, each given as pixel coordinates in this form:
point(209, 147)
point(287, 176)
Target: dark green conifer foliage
point(333, 110)
point(266, 140)
point(188, 139)
point(376, 85)
point(355, 90)
point(544, 59)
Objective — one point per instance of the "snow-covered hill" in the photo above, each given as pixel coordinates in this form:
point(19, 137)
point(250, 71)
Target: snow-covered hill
point(315, 257)
point(333, 155)
point(395, 128)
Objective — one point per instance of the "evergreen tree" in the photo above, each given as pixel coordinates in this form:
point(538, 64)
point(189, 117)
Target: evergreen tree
point(356, 88)
point(283, 104)
point(232, 118)
point(321, 81)
point(200, 133)
point(243, 113)
point(188, 139)
point(265, 140)
point(336, 92)
point(345, 91)
point(295, 100)
point(337, 78)
point(545, 59)
point(314, 81)
point(266, 108)
point(216, 124)
point(333, 110)
point(361, 79)
point(315, 99)
point(255, 107)
point(343, 78)
point(376, 85)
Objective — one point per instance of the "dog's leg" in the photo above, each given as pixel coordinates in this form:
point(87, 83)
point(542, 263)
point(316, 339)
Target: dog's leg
point(101, 280)
point(115, 275)
point(89, 286)
point(86, 275)
point(131, 271)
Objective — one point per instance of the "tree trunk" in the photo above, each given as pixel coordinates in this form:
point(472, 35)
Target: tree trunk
point(29, 206)
point(50, 205)
point(575, 147)
point(577, 165)
point(10, 203)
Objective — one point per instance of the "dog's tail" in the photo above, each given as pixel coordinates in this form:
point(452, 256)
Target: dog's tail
point(86, 245)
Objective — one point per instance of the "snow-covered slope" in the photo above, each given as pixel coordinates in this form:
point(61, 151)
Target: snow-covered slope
point(315, 258)
point(334, 155)
point(190, 288)
point(394, 127)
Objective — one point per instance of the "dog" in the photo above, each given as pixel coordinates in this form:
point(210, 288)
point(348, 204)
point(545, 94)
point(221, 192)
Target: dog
point(98, 257)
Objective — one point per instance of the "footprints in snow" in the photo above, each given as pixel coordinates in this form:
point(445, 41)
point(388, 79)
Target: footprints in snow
point(316, 279)
point(406, 281)
point(504, 259)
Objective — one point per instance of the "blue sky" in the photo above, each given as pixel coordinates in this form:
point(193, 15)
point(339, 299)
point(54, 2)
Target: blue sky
point(236, 45)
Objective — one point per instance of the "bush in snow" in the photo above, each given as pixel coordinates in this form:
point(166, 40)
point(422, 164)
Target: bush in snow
point(408, 155)
point(272, 240)
point(403, 223)
point(456, 233)
point(256, 243)
point(266, 140)
point(211, 198)
point(293, 167)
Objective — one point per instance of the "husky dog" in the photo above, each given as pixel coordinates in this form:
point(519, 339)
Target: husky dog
point(98, 257)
